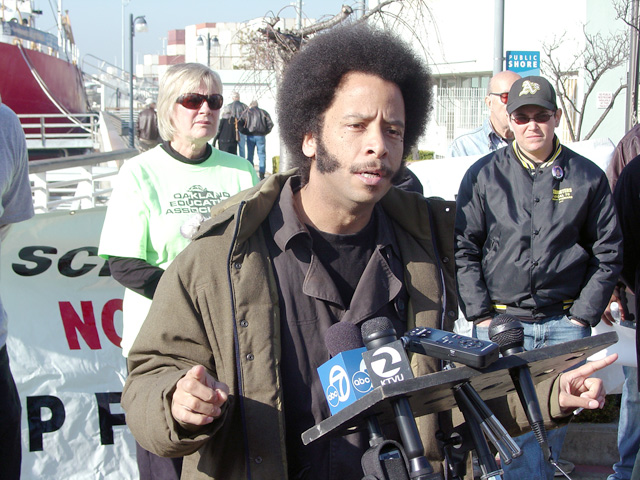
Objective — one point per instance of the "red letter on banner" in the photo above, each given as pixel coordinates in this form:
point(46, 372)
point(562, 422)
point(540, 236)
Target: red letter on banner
point(108, 312)
point(73, 323)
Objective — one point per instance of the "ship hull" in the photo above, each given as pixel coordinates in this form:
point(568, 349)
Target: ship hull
point(22, 93)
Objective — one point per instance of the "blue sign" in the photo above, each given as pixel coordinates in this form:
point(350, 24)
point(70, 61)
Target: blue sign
point(344, 379)
point(524, 63)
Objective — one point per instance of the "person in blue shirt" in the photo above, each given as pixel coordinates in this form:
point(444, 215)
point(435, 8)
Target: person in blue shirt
point(494, 132)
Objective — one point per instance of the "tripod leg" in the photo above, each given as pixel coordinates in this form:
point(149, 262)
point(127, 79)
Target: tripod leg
point(486, 460)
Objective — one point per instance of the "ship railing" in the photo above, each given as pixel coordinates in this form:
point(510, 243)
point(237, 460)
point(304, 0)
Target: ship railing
point(60, 131)
point(77, 182)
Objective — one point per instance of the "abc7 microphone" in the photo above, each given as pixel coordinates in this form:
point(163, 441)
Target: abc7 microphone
point(344, 377)
point(508, 333)
point(387, 362)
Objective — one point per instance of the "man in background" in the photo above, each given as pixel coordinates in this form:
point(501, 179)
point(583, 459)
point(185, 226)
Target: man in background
point(494, 132)
point(627, 149)
point(147, 128)
point(227, 136)
point(16, 206)
point(257, 124)
point(536, 237)
point(627, 200)
point(628, 423)
point(237, 108)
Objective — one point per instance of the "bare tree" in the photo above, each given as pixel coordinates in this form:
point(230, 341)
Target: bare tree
point(271, 46)
point(601, 54)
point(624, 12)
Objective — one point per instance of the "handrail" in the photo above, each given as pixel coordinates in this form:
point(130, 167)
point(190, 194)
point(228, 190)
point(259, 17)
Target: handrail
point(81, 181)
point(39, 166)
point(55, 130)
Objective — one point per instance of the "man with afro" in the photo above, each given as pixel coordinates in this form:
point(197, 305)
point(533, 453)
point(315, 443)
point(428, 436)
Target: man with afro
point(224, 368)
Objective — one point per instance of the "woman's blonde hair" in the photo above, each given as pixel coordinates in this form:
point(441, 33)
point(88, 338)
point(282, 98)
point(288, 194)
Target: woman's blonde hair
point(178, 80)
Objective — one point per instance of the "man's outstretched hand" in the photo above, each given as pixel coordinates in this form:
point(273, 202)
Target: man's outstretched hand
point(579, 390)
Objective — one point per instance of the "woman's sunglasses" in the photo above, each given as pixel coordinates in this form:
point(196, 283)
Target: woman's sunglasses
point(193, 101)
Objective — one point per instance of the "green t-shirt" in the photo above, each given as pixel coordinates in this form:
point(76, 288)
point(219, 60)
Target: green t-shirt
point(154, 195)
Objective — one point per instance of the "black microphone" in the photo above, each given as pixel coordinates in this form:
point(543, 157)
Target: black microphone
point(508, 333)
point(387, 362)
point(342, 336)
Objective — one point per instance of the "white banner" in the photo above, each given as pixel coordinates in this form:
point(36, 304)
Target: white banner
point(65, 322)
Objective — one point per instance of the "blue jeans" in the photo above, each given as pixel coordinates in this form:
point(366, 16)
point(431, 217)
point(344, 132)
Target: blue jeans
point(543, 333)
point(628, 428)
point(241, 145)
point(258, 141)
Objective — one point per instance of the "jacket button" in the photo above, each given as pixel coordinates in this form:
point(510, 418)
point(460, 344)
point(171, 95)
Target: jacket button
point(445, 259)
point(250, 356)
point(451, 314)
point(536, 232)
point(237, 265)
point(258, 460)
point(536, 199)
point(244, 323)
point(535, 264)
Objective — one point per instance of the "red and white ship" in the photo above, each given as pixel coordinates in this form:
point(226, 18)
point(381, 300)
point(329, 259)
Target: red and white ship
point(39, 73)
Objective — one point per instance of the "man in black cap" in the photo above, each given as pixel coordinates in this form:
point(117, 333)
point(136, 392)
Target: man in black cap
point(536, 237)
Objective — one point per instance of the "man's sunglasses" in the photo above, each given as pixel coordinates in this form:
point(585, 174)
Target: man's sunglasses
point(193, 101)
point(504, 96)
point(538, 118)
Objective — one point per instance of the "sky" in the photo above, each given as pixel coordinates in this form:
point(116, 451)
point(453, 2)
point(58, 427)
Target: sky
point(97, 24)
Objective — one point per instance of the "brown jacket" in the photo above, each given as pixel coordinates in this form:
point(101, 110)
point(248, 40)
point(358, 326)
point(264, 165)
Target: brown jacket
point(217, 305)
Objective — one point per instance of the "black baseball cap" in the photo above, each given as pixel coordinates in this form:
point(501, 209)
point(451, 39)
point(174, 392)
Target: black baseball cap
point(531, 90)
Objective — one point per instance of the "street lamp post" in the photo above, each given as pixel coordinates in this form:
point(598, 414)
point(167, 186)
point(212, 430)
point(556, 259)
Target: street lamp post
point(138, 24)
point(209, 41)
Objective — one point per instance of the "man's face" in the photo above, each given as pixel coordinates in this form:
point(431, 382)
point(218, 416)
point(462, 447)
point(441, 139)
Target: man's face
point(500, 84)
point(535, 138)
point(360, 147)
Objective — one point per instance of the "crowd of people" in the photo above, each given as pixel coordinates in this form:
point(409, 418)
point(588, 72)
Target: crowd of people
point(233, 277)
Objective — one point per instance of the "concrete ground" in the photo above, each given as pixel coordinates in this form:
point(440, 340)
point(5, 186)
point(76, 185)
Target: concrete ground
point(592, 448)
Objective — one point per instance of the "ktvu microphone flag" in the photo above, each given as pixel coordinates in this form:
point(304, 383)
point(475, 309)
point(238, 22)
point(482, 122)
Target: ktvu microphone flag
point(344, 379)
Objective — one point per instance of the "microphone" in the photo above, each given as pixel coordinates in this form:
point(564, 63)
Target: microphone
point(508, 333)
point(387, 362)
point(386, 358)
point(344, 377)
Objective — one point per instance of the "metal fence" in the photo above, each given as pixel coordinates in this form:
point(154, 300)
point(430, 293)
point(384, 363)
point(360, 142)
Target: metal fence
point(72, 183)
point(459, 110)
point(61, 131)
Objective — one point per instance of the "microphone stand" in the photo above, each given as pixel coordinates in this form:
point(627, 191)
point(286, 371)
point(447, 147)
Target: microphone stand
point(385, 459)
point(486, 460)
point(455, 451)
